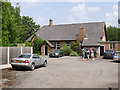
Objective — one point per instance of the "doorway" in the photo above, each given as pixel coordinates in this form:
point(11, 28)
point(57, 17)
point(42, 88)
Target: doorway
point(101, 50)
point(46, 50)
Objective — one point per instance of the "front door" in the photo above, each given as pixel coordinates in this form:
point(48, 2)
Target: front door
point(101, 50)
point(46, 50)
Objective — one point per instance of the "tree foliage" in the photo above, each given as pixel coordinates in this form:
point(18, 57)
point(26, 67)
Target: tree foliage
point(29, 27)
point(37, 44)
point(15, 29)
point(113, 33)
point(28, 44)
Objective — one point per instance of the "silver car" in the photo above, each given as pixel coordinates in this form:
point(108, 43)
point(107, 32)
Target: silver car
point(116, 56)
point(28, 61)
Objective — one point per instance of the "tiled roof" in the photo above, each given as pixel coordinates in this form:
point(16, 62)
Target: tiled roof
point(93, 30)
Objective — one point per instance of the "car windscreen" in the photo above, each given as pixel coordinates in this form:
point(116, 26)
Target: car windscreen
point(24, 56)
point(109, 51)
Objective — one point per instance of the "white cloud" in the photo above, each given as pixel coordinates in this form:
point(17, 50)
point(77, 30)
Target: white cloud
point(93, 9)
point(40, 20)
point(112, 17)
point(79, 9)
point(78, 14)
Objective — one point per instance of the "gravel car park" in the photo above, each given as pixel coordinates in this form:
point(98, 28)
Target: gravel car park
point(65, 72)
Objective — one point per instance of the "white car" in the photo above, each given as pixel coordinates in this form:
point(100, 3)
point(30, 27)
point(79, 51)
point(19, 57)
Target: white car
point(116, 56)
point(28, 61)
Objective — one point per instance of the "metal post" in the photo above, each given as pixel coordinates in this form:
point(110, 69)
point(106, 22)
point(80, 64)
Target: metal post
point(31, 50)
point(8, 56)
point(21, 50)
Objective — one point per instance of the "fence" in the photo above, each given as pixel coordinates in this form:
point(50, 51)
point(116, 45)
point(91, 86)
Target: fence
point(7, 53)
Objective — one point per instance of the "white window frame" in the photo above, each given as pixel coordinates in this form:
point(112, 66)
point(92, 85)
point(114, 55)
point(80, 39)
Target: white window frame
point(57, 45)
point(68, 43)
point(112, 46)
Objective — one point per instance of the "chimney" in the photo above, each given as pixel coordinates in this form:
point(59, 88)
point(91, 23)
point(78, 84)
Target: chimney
point(81, 35)
point(50, 22)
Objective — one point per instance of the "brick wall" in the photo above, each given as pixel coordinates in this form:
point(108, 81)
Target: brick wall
point(42, 49)
point(106, 45)
point(62, 43)
point(117, 46)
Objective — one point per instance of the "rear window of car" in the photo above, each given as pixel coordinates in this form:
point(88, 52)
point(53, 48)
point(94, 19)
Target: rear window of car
point(24, 56)
point(56, 51)
point(109, 51)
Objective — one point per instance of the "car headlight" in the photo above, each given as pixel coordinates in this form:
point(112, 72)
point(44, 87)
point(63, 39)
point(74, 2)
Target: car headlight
point(56, 53)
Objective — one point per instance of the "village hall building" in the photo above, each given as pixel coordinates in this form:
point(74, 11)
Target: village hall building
point(88, 35)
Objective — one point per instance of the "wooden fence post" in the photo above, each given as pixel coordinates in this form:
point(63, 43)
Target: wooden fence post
point(8, 55)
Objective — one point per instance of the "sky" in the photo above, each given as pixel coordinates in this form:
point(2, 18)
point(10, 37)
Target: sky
point(70, 12)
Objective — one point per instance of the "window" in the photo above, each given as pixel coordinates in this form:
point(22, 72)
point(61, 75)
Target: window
point(112, 45)
point(57, 45)
point(24, 56)
point(35, 56)
point(68, 43)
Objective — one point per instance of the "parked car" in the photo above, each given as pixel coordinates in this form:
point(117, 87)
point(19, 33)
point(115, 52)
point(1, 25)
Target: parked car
point(56, 53)
point(116, 56)
point(28, 61)
point(109, 54)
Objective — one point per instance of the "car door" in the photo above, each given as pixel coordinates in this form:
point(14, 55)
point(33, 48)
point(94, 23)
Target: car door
point(36, 60)
point(41, 61)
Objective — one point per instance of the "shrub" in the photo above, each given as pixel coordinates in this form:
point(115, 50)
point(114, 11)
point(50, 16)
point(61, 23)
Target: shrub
point(28, 44)
point(73, 53)
point(37, 44)
point(75, 46)
point(67, 50)
point(13, 44)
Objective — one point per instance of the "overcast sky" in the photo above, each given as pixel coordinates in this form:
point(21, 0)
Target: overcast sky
point(70, 12)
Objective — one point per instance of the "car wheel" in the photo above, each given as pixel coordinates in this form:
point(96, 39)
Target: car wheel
point(45, 64)
point(32, 67)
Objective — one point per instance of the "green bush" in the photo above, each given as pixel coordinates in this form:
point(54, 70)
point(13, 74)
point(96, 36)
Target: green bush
point(37, 44)
point(73, 53)
point(28, 44)
point(75, 46)
point(13, 44)
point(67, 50)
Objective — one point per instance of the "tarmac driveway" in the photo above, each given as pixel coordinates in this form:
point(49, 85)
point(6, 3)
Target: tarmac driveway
point(66, 72)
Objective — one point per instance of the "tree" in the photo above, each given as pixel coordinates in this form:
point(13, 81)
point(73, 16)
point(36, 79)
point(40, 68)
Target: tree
point(15, 29)
point(11, 23)
point(112, 33)
point(28, 44)
point(29, 28)
point(37, 44)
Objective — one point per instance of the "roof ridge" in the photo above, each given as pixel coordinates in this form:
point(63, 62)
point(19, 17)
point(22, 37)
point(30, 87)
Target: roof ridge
point(74, 24)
